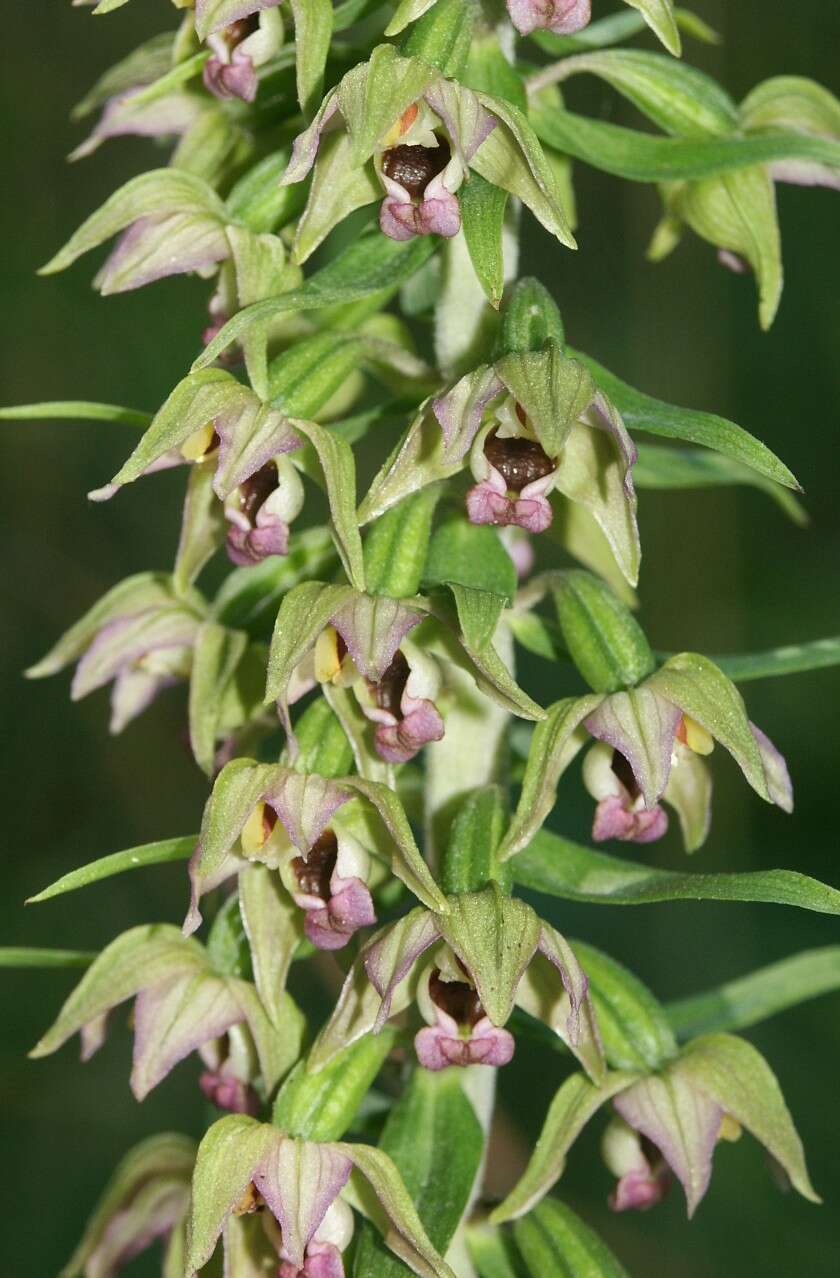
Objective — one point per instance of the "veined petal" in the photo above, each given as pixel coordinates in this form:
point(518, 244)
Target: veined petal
point(593, 473)
point(681, 1121)
point(775, 771)
point(172, 1019)
point(373, 626)
point(156, 247)
point(689, 792)
point(304, 803)
point(701, 690)
point(300, 1180)
point(461, 409)
point(466, 121)
point(391, 954)
point(642, 725)
point(124, 641)
point(555, 989)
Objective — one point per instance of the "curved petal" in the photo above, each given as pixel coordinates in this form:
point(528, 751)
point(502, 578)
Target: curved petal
point(642, 726)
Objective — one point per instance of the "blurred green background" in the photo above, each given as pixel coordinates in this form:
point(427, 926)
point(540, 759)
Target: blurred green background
point(723, 572)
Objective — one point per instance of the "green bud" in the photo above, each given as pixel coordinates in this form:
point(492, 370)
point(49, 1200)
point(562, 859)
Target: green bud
point(605, 641)
point(322, 1106)
point(324, 748)
point(470, 863)
point(396, 546)
point(530, 318)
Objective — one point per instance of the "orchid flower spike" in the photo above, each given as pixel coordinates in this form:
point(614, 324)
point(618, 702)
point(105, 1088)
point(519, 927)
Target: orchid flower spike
point(182, 1004)
point(533, 423)
point(484, 955)
point(244, 1168)
point(139, 637)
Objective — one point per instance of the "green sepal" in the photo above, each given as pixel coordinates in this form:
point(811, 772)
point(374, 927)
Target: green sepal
point(469, 863)
point(553, 389)
point(602, 636)
point(660, 17)
point(573, 1105)
point(217, 653)
point(530, 319)
point(322, 1106)
point(442, 36)
point(435, 1139)
point(495, 937)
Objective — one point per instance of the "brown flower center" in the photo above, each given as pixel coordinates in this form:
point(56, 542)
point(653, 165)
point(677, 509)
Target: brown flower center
point(415, 166)
point(314, 873)
point(456, 998)
point(625, 774)
point(254, 492)
point(519, 461)
point(391, 686)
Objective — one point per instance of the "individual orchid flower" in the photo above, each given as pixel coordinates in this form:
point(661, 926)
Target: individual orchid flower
point(182, 1004)
point(669, 1124)
point(293, 824)
point(395, 126)
point(140, 636)
point(244, 1168)
point(652, 740)
point(133, 113)
point(146, 1200)
point(533, 423)
point(563, 17)
point(652, 728)
point(212, 419)
point(339, 637)
point(485, 954)
point(238, 49)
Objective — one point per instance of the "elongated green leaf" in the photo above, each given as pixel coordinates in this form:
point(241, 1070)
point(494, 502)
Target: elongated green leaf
point(570, 1110)
point(436, 1141)
point(643, 157)
point(77, 410)
point(483, 217)
point(792, 659)
point(117, 863)
point(679, 468)
point(339, 468)
point(561, 868)
point(553, 1240)
point(750, 999)
point(680, 99)
point(407, 11)
point(372, 264)
point(643, 412)
point(25, 956)
point(322, 1106)
point(633, 1024)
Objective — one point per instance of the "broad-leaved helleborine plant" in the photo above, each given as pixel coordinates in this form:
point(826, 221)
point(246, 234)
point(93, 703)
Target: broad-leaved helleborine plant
point(353, 180)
